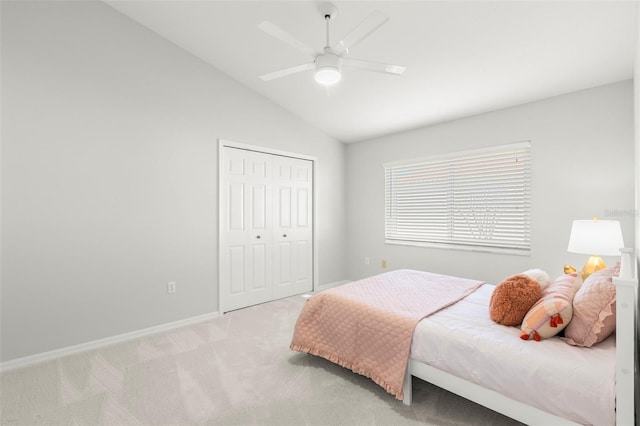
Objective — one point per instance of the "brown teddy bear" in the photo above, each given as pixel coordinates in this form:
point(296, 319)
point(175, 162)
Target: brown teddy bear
point(512, 299)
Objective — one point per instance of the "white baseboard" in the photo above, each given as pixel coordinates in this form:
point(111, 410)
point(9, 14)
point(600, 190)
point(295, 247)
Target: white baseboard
point(95, 344)
point(331, 285)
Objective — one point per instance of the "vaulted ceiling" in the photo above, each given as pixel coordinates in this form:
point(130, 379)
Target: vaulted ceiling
point(462, 57)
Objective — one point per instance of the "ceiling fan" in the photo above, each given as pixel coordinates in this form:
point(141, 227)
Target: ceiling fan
point(328, 63)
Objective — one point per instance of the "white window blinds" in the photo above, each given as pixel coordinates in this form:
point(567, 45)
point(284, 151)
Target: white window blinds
point(477, 199)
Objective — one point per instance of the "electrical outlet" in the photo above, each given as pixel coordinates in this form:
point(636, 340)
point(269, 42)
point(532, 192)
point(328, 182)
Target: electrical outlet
point(171, 287)
point(366, 260)
point(383, 264)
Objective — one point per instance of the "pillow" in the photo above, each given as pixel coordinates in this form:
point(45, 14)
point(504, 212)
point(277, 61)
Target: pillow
point(594, 309)
point(512, 299)
point(539, 275)
point(551, 314)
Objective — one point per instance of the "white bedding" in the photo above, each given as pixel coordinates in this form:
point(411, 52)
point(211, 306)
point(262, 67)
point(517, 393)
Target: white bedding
point(574, 383)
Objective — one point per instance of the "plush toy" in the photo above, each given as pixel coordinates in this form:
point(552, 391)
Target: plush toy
point(540, 276)
point(512, 299)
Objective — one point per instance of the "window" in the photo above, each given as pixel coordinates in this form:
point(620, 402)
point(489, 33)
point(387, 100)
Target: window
point(478, 199)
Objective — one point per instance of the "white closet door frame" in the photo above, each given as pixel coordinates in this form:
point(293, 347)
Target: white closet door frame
point(227, 143)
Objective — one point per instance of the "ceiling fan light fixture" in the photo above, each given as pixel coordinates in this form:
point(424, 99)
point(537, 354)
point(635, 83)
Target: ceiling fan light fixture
point(328, 69)
point(328, 76)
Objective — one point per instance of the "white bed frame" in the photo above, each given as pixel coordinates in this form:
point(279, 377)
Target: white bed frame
point(626, 314)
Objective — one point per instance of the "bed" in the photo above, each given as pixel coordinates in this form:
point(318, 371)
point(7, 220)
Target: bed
point(543, 383)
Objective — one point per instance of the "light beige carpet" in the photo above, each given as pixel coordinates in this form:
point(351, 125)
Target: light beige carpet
point(233, 370)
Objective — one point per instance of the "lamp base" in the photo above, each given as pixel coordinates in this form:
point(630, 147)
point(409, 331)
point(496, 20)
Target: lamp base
point(594, 264)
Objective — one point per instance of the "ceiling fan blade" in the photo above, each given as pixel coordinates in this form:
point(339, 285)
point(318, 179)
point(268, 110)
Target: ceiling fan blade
point(276, 32)
point(287, 71)
point(373, 66)
point(362, 31)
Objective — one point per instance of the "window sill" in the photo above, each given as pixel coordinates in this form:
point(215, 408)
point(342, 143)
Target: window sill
point(461, 247)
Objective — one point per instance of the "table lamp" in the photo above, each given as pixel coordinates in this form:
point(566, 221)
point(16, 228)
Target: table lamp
point(596, 238)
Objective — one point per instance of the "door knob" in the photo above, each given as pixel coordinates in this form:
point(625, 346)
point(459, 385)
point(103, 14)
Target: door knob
point(258, 237)
point(284, 235)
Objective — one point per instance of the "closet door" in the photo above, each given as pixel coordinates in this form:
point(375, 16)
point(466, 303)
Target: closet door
point(293, 233)
point(246, 271)
point(266, 227)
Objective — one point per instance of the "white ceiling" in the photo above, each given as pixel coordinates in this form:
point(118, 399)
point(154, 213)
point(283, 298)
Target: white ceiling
point(462, 58)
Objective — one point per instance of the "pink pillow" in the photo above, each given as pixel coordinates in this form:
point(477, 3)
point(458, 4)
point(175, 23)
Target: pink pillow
point(594, 309)
point(553, 311)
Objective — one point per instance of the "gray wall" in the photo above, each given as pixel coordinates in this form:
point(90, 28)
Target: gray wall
point(583, 166)
point(109, 176)
point(636, 80)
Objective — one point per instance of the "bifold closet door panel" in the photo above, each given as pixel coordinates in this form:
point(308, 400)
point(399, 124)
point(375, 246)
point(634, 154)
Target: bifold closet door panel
point(293, 254)
point(303, 252)
point(246, 268)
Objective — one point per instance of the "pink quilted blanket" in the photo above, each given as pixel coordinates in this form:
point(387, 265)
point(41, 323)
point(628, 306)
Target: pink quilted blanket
point(367, 325)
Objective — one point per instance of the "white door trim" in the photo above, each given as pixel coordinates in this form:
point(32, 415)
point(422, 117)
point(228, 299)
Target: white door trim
point(227, 143)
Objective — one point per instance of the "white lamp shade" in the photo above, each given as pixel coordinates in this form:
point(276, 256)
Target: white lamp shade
point(596, 237)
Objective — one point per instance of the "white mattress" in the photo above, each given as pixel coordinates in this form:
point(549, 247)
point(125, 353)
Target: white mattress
point(574, 383)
